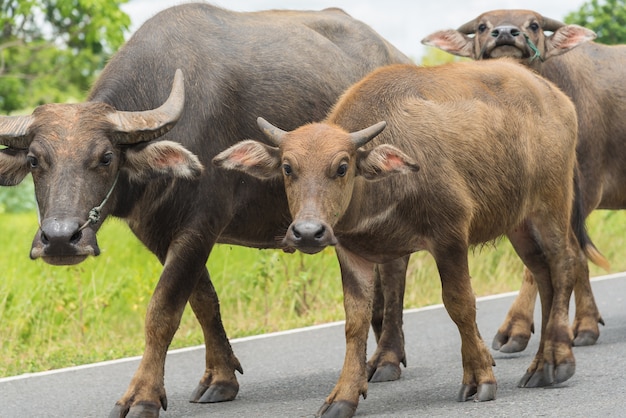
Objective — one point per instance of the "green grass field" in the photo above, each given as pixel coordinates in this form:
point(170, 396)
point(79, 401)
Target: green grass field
point(52, 317)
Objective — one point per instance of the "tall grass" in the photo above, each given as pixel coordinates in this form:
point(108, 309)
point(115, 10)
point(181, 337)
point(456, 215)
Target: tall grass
point(52, 317)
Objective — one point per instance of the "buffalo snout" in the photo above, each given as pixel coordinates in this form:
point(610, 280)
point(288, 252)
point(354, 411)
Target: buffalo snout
point(309, 236)
point(64, 242)
point(506, 41)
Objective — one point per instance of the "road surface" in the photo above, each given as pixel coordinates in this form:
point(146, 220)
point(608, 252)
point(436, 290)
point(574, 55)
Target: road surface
point(289, 374)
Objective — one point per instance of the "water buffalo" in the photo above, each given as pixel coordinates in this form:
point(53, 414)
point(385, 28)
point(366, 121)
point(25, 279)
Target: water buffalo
point(140, 149)
point(471, 151)
point(591, 75)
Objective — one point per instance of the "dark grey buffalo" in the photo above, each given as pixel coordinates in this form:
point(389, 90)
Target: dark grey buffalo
point(140, 148)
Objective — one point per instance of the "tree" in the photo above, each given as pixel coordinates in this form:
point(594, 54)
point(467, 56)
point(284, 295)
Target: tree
point(607, 18)
point(50, 50)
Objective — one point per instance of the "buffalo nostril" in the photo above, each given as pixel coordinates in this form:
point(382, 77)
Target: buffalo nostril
point(44, 238)
point(75, 238)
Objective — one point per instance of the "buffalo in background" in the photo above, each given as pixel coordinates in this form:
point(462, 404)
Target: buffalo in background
point(592, 75)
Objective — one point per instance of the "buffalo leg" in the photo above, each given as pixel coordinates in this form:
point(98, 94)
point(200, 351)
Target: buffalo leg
point(357, 276)
point(514, 333)
point(378, 305)
point(218, 383)
point(479, 382)
point(554, 265)
point(384, 365)
point(585, 327)
point(183, 266)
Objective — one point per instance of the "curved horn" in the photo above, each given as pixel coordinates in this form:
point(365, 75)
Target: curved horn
point(134, 127)
point(468, 28)
point(363, 136)
point(274, 134)
point(551, 24)
point(14, 131)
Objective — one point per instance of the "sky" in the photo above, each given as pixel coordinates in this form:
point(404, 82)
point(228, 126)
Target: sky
point(404, 23)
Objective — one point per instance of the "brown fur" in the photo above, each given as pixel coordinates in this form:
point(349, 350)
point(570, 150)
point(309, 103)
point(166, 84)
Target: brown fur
point(495, 146)
point(592, 75)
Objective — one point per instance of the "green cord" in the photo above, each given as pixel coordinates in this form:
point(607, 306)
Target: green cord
point(532, 46)
point(94, 213)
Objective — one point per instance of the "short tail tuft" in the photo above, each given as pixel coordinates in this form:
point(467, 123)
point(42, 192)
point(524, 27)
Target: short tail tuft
point(580, 228)
point(596, 257)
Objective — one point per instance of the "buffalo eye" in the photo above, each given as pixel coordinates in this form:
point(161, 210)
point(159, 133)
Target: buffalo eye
point(342, 169)
point(534, 26)
point(32, 161)
point(287, 169)
point(482, 27)
point(106, 159)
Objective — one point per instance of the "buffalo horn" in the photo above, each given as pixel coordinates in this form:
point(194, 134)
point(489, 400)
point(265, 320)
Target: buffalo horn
point(14, 131)
point(134, 127)
point(551, 24)
point(468, 28)
point(363, 136)
point(274, 134)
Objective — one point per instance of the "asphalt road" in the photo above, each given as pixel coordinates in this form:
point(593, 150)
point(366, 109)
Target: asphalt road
point(289, 374)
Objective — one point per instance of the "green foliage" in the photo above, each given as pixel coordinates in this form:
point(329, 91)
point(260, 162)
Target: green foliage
point(64, 315)
point(606, 18)
point(435, 56)
point(56, 316)
point(20, 198)
point(50, 50)
point(53, 316)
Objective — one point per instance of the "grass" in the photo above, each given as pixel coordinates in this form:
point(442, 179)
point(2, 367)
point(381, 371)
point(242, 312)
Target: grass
point(52, 317)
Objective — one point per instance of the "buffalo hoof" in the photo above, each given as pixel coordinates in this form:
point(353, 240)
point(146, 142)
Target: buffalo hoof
point(482, 393)
point(215, 393)
point(548, 376)
point(509, 344)
point(342, 409)
point(386, 373)
point(585, 338)
point(140, 410)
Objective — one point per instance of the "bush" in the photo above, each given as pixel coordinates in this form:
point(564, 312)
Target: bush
point(18, 199)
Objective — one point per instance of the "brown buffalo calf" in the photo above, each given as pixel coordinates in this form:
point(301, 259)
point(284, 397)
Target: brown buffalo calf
point(592, 76)
point(471, 151)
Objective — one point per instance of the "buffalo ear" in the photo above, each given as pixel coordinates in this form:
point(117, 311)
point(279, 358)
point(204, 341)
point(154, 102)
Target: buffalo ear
point(13, 166)
point(161, 158)
point(251, 157)
point(452, 41)
point(382, 161)
point(566, 38)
